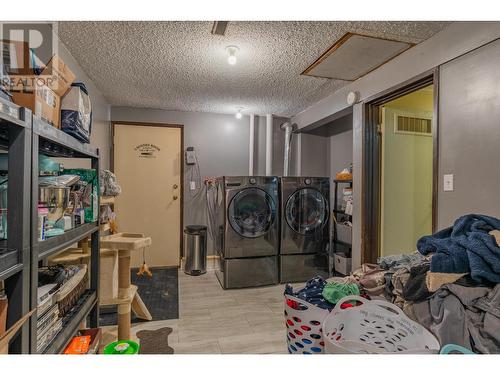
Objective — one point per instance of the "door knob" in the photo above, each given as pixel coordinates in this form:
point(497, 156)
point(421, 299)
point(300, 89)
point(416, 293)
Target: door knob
point(175, 186)
point(175, 197)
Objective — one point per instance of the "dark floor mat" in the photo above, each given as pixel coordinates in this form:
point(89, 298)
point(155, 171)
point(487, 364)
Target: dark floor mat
point(155, 342)
point(159, 293)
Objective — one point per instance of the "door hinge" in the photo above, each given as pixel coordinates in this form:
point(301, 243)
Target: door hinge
point(379, 129)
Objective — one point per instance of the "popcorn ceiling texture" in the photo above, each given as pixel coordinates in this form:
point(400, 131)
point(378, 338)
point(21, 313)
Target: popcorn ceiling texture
point(182, 66)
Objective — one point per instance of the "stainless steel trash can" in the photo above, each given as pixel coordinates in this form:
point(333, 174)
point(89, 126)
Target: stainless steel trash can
point(195, 250)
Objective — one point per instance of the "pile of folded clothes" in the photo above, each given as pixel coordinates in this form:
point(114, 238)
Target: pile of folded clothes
point(450, 286)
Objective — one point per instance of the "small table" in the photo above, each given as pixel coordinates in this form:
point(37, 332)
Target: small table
point(128, 298)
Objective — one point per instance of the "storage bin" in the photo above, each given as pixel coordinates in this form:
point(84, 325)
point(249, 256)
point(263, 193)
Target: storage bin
point(343, 263)
point(374, 327)
point(71, 291)
point(344, 233)
point(304, 326)
point(95, 338)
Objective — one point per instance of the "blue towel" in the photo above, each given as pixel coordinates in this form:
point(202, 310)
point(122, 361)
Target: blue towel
point(466, 247)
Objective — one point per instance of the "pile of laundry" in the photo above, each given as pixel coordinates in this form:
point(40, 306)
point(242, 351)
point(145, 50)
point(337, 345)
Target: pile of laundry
point(450, 286)
point(325, 293)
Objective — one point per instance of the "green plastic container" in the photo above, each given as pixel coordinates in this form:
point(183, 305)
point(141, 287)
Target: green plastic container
point(122, 347)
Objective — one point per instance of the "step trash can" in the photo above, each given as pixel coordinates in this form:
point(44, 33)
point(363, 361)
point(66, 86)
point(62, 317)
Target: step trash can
point(195, 250)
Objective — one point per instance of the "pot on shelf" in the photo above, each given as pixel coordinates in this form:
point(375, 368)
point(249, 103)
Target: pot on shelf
point(56, 199)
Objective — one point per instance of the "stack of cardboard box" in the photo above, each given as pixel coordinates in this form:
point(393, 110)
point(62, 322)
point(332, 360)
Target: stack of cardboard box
point(39, 88)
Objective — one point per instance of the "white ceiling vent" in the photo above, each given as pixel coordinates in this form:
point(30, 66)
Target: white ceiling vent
point(355, 55)
point(412, 125)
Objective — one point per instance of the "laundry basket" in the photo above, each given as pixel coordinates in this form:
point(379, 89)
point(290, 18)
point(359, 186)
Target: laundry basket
point(303, 324)
point(375, 327)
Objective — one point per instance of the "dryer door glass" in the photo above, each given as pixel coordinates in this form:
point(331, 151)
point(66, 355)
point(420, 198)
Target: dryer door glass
point(251, 212)
point(306, 211)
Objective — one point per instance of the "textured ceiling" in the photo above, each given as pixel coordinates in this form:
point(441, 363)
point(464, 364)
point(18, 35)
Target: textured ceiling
point(182, 66)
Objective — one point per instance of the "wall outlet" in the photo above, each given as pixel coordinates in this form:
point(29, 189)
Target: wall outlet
point(448, 182)
point(192, 185)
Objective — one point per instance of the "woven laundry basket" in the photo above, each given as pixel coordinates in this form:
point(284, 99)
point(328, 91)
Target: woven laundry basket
point(374, 327)
point(304, 326)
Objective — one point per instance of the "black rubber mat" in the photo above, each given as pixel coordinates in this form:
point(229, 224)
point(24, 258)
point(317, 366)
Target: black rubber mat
point(160, 294)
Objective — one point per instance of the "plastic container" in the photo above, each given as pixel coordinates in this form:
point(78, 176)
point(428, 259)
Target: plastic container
point(455, 349)
point(375, 327)
point(304, 326)
point(122, 347)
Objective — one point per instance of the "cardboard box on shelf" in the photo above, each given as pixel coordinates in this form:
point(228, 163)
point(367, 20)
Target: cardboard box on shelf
point(59, 76)
point(40, 93)
point(42, 101)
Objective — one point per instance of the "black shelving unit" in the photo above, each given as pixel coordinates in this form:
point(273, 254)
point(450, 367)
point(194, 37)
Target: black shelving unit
point(15, 139)
point(51, 141)
point(339, 246)
point(85, 305)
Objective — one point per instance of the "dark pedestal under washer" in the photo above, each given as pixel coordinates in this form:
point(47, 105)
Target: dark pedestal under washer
point(248, 231)
point(305, 240)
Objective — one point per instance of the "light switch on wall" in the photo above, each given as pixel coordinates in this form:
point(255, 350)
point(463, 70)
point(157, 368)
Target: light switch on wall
point(448, 182)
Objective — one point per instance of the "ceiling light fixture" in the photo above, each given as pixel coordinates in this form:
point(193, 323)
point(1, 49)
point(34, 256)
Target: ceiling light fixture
point(231, 50)
point(239, 115)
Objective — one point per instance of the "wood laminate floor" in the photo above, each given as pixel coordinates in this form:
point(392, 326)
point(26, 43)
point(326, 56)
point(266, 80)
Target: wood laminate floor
point(216, 321)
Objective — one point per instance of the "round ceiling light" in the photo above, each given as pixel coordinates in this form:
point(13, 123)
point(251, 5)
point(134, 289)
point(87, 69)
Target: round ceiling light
point(231, 51)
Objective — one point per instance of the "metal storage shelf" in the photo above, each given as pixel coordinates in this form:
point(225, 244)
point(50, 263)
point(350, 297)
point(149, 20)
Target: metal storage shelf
point(12, 114)
point(339, 246)
point(8, 272)
point(72, 321)
point(56, 244)
point(51, 141)
point(15, 138)
point(24, 137)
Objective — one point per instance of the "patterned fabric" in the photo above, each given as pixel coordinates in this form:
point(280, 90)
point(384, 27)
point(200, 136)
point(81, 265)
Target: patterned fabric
point(312, 293)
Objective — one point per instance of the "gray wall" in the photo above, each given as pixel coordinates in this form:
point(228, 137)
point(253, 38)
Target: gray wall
point(469, 134)
point(340, 151)
point(313, 155)
point(221, 143)
point(100, 137)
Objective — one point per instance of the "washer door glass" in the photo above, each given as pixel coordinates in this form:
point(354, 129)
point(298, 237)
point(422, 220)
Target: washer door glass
point(306, 211)
point(251, 212)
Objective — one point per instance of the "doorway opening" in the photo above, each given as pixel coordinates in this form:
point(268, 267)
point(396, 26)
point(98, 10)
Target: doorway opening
point(401, 169)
